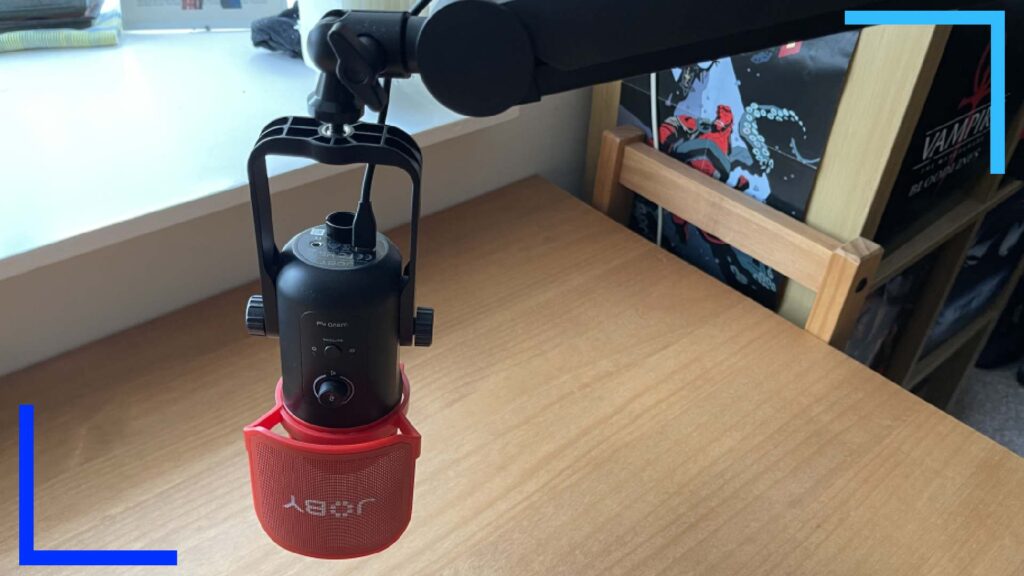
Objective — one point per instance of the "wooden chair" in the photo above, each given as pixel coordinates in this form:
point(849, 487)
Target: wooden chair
point(837, 273)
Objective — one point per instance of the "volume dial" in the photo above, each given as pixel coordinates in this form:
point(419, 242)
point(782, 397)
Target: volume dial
point(255, 317)
point(332, 391)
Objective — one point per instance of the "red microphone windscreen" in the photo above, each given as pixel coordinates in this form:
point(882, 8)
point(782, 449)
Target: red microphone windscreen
point(333, 493)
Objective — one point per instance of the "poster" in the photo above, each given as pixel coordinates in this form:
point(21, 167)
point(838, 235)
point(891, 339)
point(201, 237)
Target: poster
point(949, 150)
point(193, 14)
point(757, 121)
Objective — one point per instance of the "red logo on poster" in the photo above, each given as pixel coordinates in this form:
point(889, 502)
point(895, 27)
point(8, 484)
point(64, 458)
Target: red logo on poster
point(790, 49)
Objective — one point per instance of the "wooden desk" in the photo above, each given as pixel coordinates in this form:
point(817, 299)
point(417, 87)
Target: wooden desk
point(591, 405)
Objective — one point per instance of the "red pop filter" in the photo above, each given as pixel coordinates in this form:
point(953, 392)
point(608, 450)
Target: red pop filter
point(332, 493)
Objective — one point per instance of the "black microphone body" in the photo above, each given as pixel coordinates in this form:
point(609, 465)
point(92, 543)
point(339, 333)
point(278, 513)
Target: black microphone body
point(338, 310)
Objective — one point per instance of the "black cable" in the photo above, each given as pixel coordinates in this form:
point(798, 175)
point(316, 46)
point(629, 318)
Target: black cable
point(382, 118)
point(419, 7)
point(364, 227)
point(365, 219)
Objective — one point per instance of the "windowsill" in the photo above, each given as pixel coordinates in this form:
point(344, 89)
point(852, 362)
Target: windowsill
point(102, 145)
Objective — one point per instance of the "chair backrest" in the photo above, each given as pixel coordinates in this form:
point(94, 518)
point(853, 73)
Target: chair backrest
point(838, 273)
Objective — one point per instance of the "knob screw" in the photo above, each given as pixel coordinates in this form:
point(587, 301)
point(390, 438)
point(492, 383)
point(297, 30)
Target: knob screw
point(423, 326)
point(255, 318)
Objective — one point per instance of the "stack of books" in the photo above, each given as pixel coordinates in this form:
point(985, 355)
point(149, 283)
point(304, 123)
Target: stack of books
point(26, 24)
point(36, 14)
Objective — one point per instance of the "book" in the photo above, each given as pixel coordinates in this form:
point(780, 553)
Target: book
point(757, 121)
point(949, 151)
point(42, 9)
point(103, 30)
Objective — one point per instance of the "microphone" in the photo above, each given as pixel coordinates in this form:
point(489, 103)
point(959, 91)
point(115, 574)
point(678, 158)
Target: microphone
point(332, 464)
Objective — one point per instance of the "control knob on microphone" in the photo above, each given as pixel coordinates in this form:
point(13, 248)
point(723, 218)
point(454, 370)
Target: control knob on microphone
point(423, 326)
point(255, 318)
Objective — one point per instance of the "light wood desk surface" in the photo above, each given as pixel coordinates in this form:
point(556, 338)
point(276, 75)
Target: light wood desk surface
point(591, 405)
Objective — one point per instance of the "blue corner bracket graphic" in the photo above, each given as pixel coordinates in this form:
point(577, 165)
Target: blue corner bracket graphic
point(996, 20)
point(27, 553)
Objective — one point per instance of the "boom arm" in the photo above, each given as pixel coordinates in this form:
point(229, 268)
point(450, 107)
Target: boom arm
point(480, 57)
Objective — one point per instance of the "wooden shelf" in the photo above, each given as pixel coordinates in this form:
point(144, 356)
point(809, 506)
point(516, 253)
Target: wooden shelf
point(972, 337)
point(859, 167)
point(940, 387)
point(927, 364)
point(857, 173)
point(944, 228)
